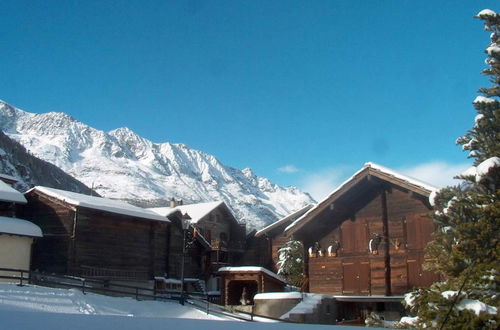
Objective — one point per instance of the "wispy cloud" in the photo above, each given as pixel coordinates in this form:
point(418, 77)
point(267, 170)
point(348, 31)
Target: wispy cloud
point(288, 169)
point(323, 182)
point(437, 173)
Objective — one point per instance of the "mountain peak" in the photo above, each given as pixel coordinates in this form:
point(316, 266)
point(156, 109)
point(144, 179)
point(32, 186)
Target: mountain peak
point(128, 166)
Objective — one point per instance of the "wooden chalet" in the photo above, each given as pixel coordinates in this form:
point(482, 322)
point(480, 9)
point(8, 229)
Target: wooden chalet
point(90, 236)
point(241, 284)
point(367, 238)
point(263, 245)
point(16, 235)
point(218, 240)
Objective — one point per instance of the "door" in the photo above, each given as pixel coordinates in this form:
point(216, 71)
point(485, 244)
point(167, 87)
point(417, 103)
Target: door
point(356, 276)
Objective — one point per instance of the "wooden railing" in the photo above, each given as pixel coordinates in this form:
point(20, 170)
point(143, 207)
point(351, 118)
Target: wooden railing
point(100, 272)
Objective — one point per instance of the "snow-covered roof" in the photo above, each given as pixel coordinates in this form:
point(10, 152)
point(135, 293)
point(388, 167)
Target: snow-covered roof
point(251, 269)
point(368, 168)
point(195, 211)
point(14, 226)
point(99, 203)
point(9, 194)
point(7, 177)
point(278, 295)
point(289, 217)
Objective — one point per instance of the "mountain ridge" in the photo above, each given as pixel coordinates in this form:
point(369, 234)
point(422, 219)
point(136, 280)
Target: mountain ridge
point(121, 164)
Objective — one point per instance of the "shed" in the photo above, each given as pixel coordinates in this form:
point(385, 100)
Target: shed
point(241, 284)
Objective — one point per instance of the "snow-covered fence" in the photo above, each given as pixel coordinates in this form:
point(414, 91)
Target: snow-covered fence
point(22, 276)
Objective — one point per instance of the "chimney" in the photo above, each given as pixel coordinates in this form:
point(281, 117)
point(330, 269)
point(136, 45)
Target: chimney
point(173, 203)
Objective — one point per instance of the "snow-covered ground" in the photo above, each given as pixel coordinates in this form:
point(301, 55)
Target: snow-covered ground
point(34, 307)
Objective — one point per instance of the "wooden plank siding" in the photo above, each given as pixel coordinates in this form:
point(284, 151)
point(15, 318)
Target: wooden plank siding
point(88, 242)
point(399, 218)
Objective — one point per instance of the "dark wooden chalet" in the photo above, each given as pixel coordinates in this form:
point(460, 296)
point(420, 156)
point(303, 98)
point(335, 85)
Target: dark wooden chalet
point(9, 197)
point(91, 236)
point(241, 284)
point(367, 238)
point(263, 245)
point(219, 240)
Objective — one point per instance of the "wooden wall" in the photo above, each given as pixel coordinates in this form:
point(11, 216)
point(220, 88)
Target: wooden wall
point(398, 217)
point(89, 242)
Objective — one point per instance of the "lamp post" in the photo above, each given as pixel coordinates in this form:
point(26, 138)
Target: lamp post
point(185, 222)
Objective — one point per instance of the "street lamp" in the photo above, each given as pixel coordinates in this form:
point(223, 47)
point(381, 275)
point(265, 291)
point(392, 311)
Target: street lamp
point(185, 222)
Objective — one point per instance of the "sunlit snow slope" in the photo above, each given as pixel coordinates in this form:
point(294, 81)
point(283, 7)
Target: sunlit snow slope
point(121, 164)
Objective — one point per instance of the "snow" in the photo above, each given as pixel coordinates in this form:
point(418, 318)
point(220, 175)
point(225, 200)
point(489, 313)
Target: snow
point(284, 220)
point(19, 227)
point(481, 171)
point(485, 13)
point(402, 177)
point(476, 306)
point(409, 299)
point(409, 320)
point(478, 118)
point(483, 168)
point(6, 176)
point(278, 295)
point(251, 269)
point(432, 197)
point(35, 308)
point(449, 294)
point(195, 211)
point(9, 194)
point(483, 99)
point(493, 50)
point(72, 301)
point(123, 165)
point(99, 203)
point(307, 305)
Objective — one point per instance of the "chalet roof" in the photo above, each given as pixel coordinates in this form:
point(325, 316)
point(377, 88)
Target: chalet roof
point(289, 218)
point(196, 211)
point(251, 269)
point(14, 226)
point(9, 194)
point(8, 178)
point(99, 203)
point(368, 169)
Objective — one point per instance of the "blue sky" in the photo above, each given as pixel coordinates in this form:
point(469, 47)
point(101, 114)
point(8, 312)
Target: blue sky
point(303, 92)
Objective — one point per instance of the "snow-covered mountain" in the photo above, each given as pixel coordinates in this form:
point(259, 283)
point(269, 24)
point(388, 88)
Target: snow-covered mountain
point(121, 164)
point(29, 171)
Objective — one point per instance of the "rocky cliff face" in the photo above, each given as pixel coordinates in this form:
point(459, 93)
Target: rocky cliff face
point(121, 164)
point(31, 171)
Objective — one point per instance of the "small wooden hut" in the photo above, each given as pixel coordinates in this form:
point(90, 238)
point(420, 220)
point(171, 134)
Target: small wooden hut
point(241, 284)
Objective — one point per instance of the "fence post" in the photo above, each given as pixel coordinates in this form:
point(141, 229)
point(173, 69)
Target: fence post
point(136, 293)
point(83, 286)
point(21, 279)
point(208, 304)
point(154, 292)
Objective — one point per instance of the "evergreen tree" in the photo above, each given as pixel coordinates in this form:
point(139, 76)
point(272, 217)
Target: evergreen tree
point(465, 246)
point(291, 262)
